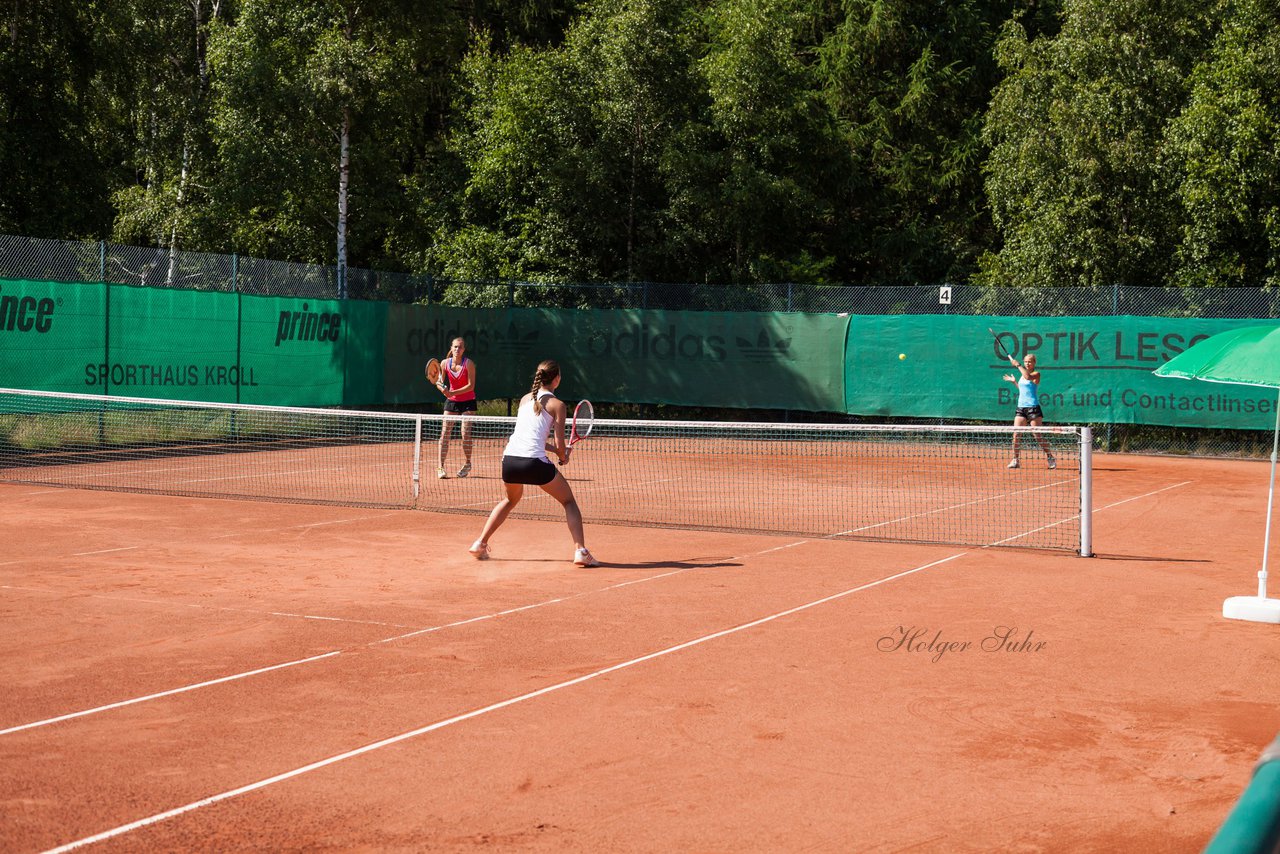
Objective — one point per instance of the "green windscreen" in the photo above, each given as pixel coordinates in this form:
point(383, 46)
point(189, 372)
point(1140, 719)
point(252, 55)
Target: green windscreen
point(232, 348)
point(1094, 370)
point(745, 360)
point(190, 345)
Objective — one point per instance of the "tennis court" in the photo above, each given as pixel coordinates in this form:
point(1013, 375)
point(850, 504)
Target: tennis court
point(194, 673)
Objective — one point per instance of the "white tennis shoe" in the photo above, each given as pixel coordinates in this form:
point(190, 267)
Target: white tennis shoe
point(1053, 464)
point(465, 470)
point(1013, 463)
point(582, 557)
point(479, 550)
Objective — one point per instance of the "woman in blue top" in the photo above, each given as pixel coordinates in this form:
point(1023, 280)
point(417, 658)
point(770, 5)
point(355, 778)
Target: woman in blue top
point(1028, 411)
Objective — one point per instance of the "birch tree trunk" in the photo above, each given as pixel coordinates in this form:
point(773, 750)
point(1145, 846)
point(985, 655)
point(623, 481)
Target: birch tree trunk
point(177, 214)
point(344, 178)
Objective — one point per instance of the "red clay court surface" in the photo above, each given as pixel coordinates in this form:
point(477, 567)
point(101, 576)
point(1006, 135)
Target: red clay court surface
point(203, 674)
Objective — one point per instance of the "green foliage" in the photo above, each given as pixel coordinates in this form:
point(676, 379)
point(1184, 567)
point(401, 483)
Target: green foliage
point(163, 101)
point(908, 81)
point(1034, 143)
point(756, 204)
point(564, 148)
point(55, 167)
point(276, 117)
point(1076, 131)
point(1224, 151)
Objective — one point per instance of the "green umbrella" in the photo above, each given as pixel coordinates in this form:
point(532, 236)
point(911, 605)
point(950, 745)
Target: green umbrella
point(1246, 356)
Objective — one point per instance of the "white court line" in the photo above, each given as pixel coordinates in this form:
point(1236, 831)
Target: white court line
point(295, 527)
point(335, 652)
point(198, 606)
point(493, 707)
point(494, 615)
point(953, 507)
point(168, 693)
point(104, 551)
point(531, 606)
point(578, 487)
point(193, 468)
point(1099, 509)
point(260, 476)
point(339, 521)
point(1144, 495)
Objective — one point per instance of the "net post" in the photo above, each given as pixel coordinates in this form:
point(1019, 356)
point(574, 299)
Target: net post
point(1086, 492)
point(417, 456)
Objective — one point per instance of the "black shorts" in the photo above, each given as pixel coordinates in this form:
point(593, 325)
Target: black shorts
point(527, 470)
point(1029, 412)
point(460, 405)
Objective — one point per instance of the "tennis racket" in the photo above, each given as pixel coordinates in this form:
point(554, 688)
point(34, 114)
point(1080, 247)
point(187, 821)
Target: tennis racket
point(999, 346)
point(584, 415)
point(434, 375)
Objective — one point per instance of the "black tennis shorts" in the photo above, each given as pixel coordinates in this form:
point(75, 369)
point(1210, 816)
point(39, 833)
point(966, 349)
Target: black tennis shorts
point(1029, 412)
point(527, 470)
point(460, 405)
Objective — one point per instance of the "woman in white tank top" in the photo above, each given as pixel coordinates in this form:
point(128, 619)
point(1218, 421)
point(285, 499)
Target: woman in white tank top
point(539, 428)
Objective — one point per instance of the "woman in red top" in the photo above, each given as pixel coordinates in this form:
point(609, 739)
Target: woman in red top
point(458, 385)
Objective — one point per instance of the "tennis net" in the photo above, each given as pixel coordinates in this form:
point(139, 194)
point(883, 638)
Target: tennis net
point(915, 483)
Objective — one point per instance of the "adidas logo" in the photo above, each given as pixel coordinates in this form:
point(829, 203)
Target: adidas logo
point(650, 342)
point(764, 350)
point(514, 342)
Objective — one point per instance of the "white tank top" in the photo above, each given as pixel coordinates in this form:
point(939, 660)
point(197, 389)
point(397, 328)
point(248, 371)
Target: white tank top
point(529, 439)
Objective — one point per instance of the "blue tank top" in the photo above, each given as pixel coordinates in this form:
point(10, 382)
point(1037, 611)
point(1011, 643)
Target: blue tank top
point(1028, 394)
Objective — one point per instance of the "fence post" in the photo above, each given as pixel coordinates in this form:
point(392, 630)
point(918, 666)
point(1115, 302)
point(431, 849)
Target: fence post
point(1115, 309)
point(102, 261)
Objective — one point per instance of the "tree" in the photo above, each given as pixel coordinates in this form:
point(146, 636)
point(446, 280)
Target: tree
point(754, 188)
point(1076, 129)
point(908, 82)
point(564, 148)
point(309, 115)
point(164, 97)
point(55, 172)
point(1224, 153)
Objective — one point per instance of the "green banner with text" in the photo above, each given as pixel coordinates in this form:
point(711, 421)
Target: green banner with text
point(201, 345)
point(1094, 370)
point(742, 360)
point(190, 345)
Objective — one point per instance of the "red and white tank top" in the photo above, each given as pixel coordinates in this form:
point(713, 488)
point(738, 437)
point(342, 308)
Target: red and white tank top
point(457, 376)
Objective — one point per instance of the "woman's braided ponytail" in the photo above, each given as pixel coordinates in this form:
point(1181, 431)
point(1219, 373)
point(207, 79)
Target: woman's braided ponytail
point(546, 374)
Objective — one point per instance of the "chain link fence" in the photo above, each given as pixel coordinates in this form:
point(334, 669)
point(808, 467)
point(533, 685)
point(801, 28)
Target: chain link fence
point(72, 261)
point(69, 261)
point(870, 299)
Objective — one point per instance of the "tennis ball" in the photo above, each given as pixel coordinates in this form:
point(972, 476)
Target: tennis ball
point(902, 355)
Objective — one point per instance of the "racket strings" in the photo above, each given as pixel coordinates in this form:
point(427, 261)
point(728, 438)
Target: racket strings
point(583, 419)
